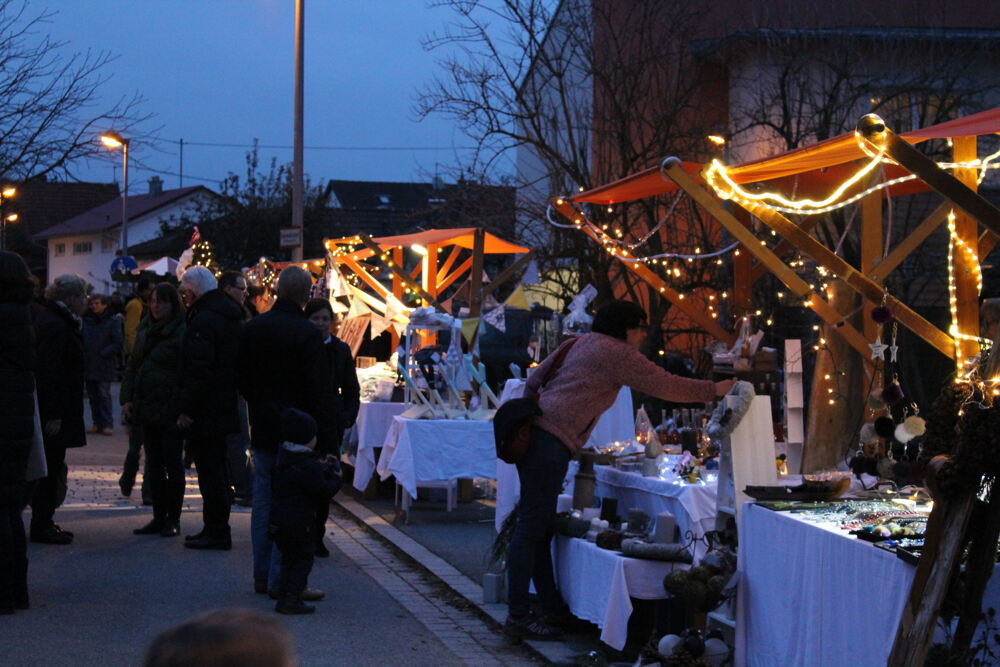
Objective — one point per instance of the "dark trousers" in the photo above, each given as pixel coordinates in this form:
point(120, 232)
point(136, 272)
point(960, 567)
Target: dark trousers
point(165, 470)
point(99, 393)
point(209, 454)
point(13, 547)
point(131, 465)
point(296, 563)
point(529, 557)
point(51, 490)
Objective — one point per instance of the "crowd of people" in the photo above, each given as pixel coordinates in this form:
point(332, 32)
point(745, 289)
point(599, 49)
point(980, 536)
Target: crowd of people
point(210, 371)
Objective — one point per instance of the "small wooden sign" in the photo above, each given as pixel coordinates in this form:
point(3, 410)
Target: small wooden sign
point(290, 237)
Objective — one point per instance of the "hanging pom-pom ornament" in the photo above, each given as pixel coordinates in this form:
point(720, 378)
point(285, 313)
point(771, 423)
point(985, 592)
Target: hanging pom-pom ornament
point(867, 434)
point(875, 401)
point(884, 427)
point(893, 393)
point(882, 314)
point(915, 426)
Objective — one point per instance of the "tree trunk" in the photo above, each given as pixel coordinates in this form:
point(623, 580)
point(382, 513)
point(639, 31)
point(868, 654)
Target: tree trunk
point(832, 428)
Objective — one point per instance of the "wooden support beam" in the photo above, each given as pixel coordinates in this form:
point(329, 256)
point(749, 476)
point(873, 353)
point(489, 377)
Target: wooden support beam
point(366, 277)
point(671, 168)
point(783, 247)
point(445, 281)
point(987, 241)
point(431, 283)
point(861, 283)
point(451, 259)
point(393, 266)
point(871, 250)
point(966, 266)
point(687, 306)
point(910, 243)
point(874, 130)
point(476, 279)
point(505, 275)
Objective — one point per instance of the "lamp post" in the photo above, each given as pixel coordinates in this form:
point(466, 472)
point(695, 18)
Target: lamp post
point(5, 194)
point(113, 140)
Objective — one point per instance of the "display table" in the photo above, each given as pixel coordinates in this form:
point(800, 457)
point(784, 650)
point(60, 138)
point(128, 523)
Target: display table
point(812, 596)
point(617, 423)
point(371, 427)
point(693, 505)
point(416, 450)
point(597, 584)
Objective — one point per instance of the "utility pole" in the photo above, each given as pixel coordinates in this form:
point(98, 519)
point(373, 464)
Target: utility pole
point(297, 177)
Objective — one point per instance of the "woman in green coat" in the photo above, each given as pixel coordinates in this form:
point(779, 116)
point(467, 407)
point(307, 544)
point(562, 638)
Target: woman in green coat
point(148, 401)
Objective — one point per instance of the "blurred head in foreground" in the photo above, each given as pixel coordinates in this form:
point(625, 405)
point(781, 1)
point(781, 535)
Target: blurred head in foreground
point(228, 637)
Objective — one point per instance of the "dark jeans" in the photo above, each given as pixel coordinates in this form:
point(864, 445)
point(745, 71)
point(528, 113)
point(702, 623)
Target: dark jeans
point(51, 490)
point(13, 546)
point(99, 393)
point(165, 471)
point(529, 557)
point(209, 456)
point(296, 563)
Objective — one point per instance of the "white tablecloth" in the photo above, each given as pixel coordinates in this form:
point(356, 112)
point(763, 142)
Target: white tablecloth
point(617, 423)
point(597, 584)
point(693, 505)
point(437, 449)
point(374, 420)
point(811, 596)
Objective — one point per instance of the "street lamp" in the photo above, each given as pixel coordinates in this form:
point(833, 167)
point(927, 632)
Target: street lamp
point(112, 139)
point(5, 194)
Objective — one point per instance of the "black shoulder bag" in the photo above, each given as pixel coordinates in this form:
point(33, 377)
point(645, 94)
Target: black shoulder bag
point(512, 421)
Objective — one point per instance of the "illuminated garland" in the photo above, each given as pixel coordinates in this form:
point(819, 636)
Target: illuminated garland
point(717, 172)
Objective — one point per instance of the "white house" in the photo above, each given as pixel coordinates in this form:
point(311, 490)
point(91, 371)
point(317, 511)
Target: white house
point(86, 244)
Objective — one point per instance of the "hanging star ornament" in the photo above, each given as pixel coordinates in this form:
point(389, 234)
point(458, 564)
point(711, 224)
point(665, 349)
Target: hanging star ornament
point(878, 349)
point(893, 349)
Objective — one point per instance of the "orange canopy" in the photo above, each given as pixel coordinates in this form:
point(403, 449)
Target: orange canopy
point(823, 160)
point(462, 237)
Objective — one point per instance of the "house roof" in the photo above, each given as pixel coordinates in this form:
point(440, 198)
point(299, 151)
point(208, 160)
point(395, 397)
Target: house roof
point(381, 195)
point(108, 215)
point(42, 204)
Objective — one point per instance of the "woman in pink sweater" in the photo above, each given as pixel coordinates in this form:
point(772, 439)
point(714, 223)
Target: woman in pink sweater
point(583, 387)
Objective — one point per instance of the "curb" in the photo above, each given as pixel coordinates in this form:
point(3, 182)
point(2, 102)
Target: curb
point(553, 652)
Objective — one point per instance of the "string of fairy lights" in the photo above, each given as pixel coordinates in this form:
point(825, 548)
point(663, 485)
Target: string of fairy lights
point(717, 176)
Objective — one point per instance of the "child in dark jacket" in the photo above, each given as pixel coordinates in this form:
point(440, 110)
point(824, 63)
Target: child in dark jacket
point(300, 488)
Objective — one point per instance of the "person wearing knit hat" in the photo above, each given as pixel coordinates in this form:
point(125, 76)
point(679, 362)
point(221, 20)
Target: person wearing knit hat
point(301, 487)
point(298, 427)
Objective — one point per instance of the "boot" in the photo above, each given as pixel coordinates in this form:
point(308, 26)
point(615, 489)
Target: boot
point(290, 603)
point(21, 584)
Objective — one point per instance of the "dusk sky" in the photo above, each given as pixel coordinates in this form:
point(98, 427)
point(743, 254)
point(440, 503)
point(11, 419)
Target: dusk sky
point(221, 72)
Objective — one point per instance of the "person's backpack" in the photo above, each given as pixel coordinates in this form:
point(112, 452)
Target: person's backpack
point(512, 421)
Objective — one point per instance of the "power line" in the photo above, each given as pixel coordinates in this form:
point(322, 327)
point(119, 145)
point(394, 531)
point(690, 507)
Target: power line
point(213, 144)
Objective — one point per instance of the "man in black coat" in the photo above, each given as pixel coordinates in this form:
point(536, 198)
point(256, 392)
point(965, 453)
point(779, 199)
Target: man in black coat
point(282, 364)
point(59, 379)
point(206, 389)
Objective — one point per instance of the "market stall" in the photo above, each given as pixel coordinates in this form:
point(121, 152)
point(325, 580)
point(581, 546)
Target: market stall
point(786, 195)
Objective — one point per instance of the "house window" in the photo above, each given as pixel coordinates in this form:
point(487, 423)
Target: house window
point(108, 244)
point(82, 248)
point(60, 249)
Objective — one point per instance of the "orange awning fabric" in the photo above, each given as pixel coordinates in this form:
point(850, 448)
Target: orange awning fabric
point(462, 237)
point(819, 161)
